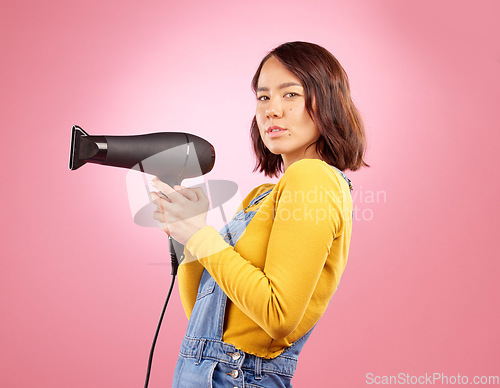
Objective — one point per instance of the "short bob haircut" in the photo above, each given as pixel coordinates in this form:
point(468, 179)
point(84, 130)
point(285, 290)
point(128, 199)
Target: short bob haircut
point(342, 140)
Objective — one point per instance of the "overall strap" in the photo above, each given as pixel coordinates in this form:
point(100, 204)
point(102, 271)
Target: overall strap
point(345, 177)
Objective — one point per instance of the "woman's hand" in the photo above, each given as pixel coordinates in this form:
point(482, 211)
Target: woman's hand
point(181, 211)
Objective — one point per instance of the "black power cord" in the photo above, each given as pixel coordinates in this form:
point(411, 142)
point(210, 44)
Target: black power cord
point(174, 262)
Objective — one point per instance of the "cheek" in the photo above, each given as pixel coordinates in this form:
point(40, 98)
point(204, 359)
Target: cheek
point(260, 117)
point(302, 116)
point(310, 125)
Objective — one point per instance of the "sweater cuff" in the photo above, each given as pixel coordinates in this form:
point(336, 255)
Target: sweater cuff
point(206, 242)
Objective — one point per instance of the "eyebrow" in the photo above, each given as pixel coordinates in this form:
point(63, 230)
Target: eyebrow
point(282, 86)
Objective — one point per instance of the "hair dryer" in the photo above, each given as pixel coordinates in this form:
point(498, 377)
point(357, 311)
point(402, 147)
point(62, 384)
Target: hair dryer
point(171, 156)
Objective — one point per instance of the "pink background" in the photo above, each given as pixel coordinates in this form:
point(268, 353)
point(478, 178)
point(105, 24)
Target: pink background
point(82, 286)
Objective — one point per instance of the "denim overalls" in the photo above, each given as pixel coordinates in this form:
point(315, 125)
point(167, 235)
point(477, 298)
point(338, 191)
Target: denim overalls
point(205, 361)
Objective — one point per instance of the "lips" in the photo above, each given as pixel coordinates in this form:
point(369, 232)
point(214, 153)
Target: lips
point(275, 132)
point(274, 129)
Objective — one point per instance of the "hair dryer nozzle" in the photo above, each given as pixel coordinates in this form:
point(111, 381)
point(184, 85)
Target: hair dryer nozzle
point(85, 148)
point(76, 135)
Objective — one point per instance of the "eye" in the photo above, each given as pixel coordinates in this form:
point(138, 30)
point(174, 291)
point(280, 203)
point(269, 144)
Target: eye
point(291, 94)
point(262, 98)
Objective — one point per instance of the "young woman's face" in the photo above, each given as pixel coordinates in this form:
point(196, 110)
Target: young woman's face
point(284, 124)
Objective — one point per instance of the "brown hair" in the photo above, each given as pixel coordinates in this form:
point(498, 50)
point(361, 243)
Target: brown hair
point(342, 140)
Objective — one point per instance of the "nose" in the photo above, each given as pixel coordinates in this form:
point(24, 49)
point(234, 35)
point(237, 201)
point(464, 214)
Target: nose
point(274, 109)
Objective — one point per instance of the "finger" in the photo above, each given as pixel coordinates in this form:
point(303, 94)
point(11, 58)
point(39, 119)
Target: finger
point(166, 189)
point(164, 196)
point(159, 200)
point(188, 193)
point(163, 224)
point(159, 216)
point(200, 194)
point(164, 227)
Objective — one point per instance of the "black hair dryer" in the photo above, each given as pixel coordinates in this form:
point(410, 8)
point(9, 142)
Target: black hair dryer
point(171, 156)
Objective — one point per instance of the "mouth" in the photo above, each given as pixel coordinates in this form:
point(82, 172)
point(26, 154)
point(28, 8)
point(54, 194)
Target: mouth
point(274, 129)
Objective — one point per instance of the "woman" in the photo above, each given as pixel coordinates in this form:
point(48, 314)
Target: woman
point(254, 292)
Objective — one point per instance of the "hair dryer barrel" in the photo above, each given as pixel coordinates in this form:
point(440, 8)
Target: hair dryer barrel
point(171, 156)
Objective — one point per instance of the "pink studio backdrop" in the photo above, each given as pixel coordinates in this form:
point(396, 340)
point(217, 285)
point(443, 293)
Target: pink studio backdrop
point(82, 286)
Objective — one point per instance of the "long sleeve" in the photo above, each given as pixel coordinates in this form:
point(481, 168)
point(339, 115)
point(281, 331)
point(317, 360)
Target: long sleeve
point(190, 270)
point(307, 215)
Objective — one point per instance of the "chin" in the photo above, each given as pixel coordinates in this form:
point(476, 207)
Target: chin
point(276, 150)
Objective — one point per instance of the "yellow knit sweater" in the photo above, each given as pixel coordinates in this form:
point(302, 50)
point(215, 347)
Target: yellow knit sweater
point(284, 269)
